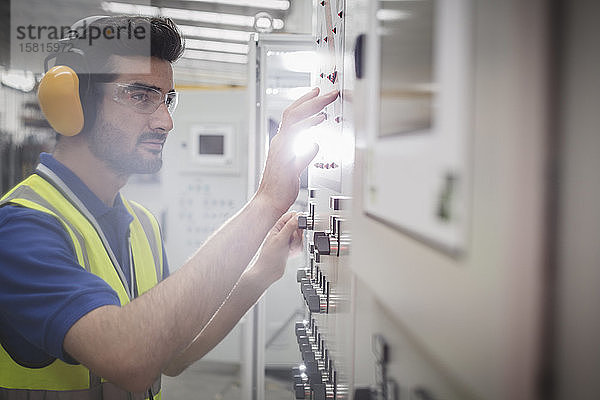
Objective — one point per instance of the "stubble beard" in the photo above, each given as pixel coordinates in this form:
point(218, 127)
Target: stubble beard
point(108, 143)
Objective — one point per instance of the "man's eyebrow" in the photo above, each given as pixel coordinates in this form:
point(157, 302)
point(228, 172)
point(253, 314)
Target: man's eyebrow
point(146, 86)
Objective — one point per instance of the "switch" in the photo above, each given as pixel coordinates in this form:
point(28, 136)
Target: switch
point(303, 340)
point(308, 356)
point(316, 304)
point(312, 193)
point(313, 372)
point(302, 273)
point(333, 224)
point(300, 391)
point(302, 222)
point(322, 244)
point(318, 390)
point(300, 328)
point(337, 203)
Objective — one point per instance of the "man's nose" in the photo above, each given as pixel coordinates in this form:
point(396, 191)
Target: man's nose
point(161, 119)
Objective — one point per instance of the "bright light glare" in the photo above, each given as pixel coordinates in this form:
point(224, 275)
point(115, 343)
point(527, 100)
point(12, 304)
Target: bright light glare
point(303, 146)
point(384, 14)
point(300, 61)
point(333, 145)
point(305, 141)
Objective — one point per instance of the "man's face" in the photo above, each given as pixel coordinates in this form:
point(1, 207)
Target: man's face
point(128, 141)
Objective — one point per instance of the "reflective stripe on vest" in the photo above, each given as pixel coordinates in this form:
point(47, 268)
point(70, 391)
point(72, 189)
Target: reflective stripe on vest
point(60, 380)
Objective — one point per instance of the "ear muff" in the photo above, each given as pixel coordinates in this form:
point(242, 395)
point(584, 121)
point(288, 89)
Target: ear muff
point(59, 99)
point(60, 91)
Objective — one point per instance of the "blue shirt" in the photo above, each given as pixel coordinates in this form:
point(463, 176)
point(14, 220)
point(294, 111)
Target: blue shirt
point(43, 289)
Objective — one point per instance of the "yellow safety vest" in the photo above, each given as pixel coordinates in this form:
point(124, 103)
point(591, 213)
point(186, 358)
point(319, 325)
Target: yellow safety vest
point(60, 380)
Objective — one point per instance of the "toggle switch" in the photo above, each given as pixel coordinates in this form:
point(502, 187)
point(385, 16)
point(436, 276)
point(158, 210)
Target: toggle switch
point(314, 373)
point(337, 203)
point(322, 244)
point(302, 273)
point(300, 391)
point(316, 303)
point(302, 222)
point(318, 391)
point(301, 329)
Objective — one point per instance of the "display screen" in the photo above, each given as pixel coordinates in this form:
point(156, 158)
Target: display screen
point(407, 92)
point(211, 144)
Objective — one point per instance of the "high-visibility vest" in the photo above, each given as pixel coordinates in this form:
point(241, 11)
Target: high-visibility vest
point(59, 380)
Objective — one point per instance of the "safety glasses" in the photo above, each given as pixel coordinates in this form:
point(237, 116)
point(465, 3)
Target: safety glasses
point(142, 99)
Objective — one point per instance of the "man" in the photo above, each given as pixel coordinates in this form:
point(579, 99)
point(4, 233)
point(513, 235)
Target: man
point(84, 309)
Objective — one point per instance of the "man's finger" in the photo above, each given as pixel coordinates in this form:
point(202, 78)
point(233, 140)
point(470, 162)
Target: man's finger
point(307, 109)
point(291, 226)
point(280, 224)
point(313, 93)
point(307, 123)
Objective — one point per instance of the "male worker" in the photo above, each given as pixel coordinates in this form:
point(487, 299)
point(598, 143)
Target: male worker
point(85, 311)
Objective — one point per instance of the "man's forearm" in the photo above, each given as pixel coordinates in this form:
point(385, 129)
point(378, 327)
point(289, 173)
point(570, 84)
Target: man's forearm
point(244, 295)
point(160, 324)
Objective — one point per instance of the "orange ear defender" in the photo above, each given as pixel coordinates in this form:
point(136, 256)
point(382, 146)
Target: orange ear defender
point(58, 95)
point(60, 88)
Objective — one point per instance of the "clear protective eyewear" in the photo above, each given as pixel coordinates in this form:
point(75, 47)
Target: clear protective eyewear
point(141, 98)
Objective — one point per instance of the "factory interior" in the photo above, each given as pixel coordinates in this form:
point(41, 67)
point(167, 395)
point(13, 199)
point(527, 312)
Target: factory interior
point(450, 219)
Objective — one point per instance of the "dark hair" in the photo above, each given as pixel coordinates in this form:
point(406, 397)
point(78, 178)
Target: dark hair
point(91, 59)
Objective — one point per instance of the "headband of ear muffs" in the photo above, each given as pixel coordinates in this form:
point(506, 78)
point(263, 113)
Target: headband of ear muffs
point(65, 87)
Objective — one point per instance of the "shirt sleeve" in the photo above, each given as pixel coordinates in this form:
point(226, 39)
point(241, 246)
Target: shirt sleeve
point(43, 289)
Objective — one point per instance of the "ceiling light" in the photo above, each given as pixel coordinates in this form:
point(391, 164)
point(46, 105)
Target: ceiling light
point(187, 15)
point(219, 57)
point(216, 46)
point(265, 4)
point(20, 80)
point(384, 14)
point(208, 17)
point(263, 22)
point(126, 8)
point(214, 33)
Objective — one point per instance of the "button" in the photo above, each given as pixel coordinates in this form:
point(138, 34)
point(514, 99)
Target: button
point(300, 391)
point(314, 303)
point(308, 356)
point(302, 222)
point(323, 245)
point(318, 390)
point(301, 274)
